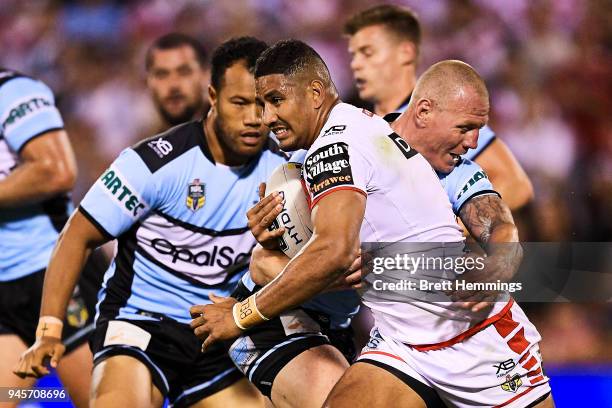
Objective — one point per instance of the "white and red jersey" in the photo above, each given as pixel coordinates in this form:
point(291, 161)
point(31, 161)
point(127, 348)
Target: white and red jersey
point(405, 203)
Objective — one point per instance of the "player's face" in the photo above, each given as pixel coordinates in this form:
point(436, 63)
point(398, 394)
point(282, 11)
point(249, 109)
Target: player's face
point(176, 81)
point(285, 110)
point(238, 118)
point(375, 62)
point(453, 129)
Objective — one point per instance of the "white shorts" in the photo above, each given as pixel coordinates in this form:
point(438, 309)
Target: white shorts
point(499, 366)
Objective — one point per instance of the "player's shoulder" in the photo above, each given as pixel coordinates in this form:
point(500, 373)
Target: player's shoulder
point(13, 83)
point(159, 150)
point(22, 94)
point(464, 170)
point(352, 126)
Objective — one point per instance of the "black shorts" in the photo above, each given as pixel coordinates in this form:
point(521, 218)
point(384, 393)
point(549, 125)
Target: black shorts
point(20, 305)
point(263, 351)
point(173, 355)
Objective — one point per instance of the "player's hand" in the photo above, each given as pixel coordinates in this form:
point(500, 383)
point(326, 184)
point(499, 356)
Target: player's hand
point(480, 300)
point(32, 362)
point(351, 279)
point(214, 322)
point(261, 216)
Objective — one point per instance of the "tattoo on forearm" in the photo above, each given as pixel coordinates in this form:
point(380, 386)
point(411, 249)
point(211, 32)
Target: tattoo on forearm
point(482, 214)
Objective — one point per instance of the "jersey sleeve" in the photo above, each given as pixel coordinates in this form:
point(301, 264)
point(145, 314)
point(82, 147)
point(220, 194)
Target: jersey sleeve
point(465, 182)
point(122, 195)
point(333, 164)
point(27, 110)
point(486, 136)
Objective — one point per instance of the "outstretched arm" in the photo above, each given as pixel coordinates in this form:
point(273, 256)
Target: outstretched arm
point(75, 243)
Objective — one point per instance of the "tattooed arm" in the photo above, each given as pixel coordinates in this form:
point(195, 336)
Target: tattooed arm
point(489, 221)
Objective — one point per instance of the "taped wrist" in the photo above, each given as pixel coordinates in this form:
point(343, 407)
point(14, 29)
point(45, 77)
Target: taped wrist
point(49, 326)
point(246, 314)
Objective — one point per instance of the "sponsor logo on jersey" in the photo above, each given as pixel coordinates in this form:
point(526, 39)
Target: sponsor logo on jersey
point(195, 195)
point(479, 175)
point(504, 366)
point(334, 130)
point(161, 147)
point(328, 167)
point(221, 256)
point(118, 187)
point(24, 109)
point(512, 384)
point(404, 147)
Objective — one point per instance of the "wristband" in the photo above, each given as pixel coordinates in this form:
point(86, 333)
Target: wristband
point(49, 326)
point(246, 314)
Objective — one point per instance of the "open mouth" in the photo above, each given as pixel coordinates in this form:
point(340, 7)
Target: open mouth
point(360, 83)
point(280, 132)
point(456, 158)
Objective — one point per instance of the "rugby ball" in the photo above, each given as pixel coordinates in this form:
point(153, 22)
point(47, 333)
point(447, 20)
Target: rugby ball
point(295, 217)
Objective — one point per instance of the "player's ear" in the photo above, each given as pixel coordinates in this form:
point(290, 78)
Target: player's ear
point(317, 90)
point(212, 95)
point(422, 114)
point(407, 53)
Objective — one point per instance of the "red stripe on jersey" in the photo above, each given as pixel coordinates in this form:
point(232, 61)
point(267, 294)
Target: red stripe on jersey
point(535, 372)
point(536, 380)
point(518, 343)
point(506, 325)
point(530, 363)
point(316, 200)
point(524, 358)
point(305, 189)
point(470, 332)
point(382, 353)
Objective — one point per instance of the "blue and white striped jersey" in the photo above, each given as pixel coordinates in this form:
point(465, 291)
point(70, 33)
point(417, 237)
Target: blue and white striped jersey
point(27, 233)
point(180, 221)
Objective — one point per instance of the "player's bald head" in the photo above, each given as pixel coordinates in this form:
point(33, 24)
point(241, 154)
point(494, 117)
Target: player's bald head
point(295, 59)
point(449, 81)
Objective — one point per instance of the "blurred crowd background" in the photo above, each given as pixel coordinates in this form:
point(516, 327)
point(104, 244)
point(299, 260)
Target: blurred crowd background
point(547, 64)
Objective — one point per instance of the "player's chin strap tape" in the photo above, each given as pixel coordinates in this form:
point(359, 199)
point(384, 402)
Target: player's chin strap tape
point(246, 314)
point(49, 326)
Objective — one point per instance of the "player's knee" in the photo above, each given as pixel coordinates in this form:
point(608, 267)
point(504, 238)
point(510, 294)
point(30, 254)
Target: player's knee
point(123, 381)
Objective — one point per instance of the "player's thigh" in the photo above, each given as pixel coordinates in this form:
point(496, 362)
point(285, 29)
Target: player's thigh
point(368, 386)
point(11, 347)
point(123, 381)
point(241, 394)
point(308, 378)
point(75, 372)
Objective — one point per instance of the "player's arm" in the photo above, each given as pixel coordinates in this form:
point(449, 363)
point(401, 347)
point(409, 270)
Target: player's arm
point(489, 221)
point(327, 256)
point(330, 252)
point(74, 245)
point(266, 264)
point(47, 168)
point(506, 174)
point(78, 238)
point(118, 199)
